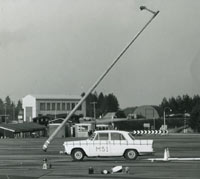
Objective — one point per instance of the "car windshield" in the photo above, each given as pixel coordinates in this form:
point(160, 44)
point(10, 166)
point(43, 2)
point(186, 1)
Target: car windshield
point(131, 136)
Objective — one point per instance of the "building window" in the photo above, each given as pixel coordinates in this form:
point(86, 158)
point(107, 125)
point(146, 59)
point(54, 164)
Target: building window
point(63, 106)
point(58, 106)
point(53, 106)
point(80, 107)
point(48, 107)
point(42, 106)
point(68, 107)
point(73, 105)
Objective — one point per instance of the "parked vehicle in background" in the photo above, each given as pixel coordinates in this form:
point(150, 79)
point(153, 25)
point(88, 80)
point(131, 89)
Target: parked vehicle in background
point(108, 143)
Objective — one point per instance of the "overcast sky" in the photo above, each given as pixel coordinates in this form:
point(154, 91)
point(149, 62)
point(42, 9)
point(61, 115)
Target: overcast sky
point(63, 46)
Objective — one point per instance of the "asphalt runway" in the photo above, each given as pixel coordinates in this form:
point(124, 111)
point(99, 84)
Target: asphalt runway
point(23, 159)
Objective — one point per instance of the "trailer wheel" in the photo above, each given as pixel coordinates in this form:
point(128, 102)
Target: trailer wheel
point(78, 154)
point(131, 154)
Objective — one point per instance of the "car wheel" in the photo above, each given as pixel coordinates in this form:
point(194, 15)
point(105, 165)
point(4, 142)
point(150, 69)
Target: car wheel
point(131, 154)
point(78, 154)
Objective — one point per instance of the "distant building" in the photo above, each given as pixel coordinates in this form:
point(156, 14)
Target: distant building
point(65, 131)
point(41, 105)
point(147, 112)
point(4, 118)
point(110, 115)
point(22, 130)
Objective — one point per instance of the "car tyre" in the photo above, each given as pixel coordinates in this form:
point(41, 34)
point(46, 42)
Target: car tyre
point(131, 154)
point(77, 154)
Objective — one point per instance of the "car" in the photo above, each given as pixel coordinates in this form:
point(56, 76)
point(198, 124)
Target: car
point(108, 143)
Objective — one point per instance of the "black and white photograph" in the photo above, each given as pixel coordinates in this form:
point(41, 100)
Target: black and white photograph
point(99, 89)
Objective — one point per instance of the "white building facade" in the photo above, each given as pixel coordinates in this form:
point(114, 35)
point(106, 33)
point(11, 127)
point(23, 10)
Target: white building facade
point(41, 105)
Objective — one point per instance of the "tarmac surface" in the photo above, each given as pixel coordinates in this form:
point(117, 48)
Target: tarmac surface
point(23, 159)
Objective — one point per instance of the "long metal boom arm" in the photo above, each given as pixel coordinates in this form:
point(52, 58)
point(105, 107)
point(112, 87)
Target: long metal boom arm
point(45, 146)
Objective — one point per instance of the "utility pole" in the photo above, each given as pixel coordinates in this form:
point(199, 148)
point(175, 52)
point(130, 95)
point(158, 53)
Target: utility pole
point(47, 142)
point(94, 110)
point(13, 112)
point(164, 112)
point(185, 130)
point(5, 112)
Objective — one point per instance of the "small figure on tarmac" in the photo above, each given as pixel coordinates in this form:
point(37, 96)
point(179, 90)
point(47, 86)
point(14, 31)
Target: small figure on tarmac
point(44, 167)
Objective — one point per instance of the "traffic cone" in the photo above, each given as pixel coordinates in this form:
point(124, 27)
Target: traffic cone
point(165, 155)
point(168, 155)
point(44, 166)
point(116, 169)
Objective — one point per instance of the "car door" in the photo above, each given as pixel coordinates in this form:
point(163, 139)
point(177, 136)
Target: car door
point(118, 144)
point(100, 145)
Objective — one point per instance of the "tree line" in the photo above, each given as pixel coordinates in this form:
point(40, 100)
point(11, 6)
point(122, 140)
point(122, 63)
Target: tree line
point(98, 105)
point(10, 109)
point(185, 104)
point(181, 104)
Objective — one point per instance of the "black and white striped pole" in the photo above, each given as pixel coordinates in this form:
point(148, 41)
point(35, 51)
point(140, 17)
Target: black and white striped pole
point(45, 146)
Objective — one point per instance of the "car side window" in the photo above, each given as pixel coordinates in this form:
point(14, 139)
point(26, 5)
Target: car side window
point(117, 136)
point(102, 136)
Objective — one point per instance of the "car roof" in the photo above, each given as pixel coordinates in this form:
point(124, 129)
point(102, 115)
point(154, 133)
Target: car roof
point(114, 131)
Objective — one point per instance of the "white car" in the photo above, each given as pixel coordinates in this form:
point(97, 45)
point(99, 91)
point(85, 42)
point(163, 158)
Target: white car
point(108, 143)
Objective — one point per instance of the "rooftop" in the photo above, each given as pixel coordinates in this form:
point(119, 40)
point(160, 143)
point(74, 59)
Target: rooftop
point(50, 96)
point(22, 127)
